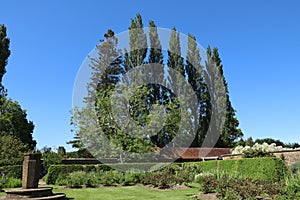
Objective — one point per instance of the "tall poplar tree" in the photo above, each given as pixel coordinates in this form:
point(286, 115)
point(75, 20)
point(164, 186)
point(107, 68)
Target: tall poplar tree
point(230, 132)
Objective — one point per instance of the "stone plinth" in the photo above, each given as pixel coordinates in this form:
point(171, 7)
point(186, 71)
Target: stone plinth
point(32, 194)
point(31, 171)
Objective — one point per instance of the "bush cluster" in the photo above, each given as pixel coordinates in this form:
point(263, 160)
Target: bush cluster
point(6, 182)
point(235, 187)
point(95, 175)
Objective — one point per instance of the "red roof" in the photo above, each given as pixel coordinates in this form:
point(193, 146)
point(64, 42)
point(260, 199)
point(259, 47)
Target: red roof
point(193, 153)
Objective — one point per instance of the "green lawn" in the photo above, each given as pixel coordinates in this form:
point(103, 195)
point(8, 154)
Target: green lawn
point(127, 193)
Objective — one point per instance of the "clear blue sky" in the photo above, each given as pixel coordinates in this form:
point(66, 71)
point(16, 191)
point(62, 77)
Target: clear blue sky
point(258, 42)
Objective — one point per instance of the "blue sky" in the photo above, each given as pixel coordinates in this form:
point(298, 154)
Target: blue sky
point(258, 42)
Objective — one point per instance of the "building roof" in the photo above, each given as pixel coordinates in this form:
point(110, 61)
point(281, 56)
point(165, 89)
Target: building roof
point(193, 153)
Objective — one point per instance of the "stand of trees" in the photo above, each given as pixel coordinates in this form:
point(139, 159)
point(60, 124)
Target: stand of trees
point(97, 115)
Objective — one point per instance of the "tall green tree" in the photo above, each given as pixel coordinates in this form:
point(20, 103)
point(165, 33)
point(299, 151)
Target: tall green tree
point(156, 56)
point(230, 132)
point(175, 60)
point(4, 54)
point(86, 121)
point(13, 119)
point(194, 73)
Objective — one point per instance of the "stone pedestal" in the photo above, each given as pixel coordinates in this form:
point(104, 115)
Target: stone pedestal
point(31, 171)
point(30, 181)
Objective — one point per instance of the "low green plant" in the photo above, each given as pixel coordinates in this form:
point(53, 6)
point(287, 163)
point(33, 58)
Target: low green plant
point(14, 183)
point(292, 189)
point(133, 178)
point(76, 179)
point(92, 179)
point(3, 182)
point(208, 182)
point(61, 181)
point(6, 182)
point(295, 167)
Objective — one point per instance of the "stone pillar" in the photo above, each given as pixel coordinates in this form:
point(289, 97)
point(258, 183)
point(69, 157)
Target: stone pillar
point(31, 171)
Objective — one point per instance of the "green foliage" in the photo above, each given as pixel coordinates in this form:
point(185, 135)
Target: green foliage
point(4, 54)
point(6, 182)
point(133, 178)
point(76, 179)
point(13, 171)
point(13, 121)
point(14, 183)
point(255, 168)
point(54, 172)
point(61, 151)
point(230, 186)
point(207, 166)
point(292, 189)
point(109, 66)
point(57, 171)
point(12, 149)
point(230, 132)
point(51, 158)
point(295, 167)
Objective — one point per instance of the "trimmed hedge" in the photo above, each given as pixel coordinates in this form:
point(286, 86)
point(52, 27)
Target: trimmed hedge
point(268, 168)
point(14, 171)
point(56, 171)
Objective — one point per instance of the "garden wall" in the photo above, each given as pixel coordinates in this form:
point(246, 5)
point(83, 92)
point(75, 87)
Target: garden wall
point(289, 156)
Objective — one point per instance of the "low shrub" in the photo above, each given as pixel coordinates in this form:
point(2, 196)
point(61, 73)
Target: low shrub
point(3, 182)
point(76, 179)
point(92, 179)
point(14, 183)
point(6, 182)
point(61, 181)
point(231, 187)
point(133, 178)
point(292, 189)
point(295, 167)
point(208, 182)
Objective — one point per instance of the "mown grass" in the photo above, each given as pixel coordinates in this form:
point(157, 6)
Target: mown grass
point(129, 193)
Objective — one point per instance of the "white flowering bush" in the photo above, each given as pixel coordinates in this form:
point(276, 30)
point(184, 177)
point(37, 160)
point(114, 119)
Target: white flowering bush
point(259, 147)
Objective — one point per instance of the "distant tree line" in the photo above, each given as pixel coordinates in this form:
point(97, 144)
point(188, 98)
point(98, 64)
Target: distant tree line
point(250, 142)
